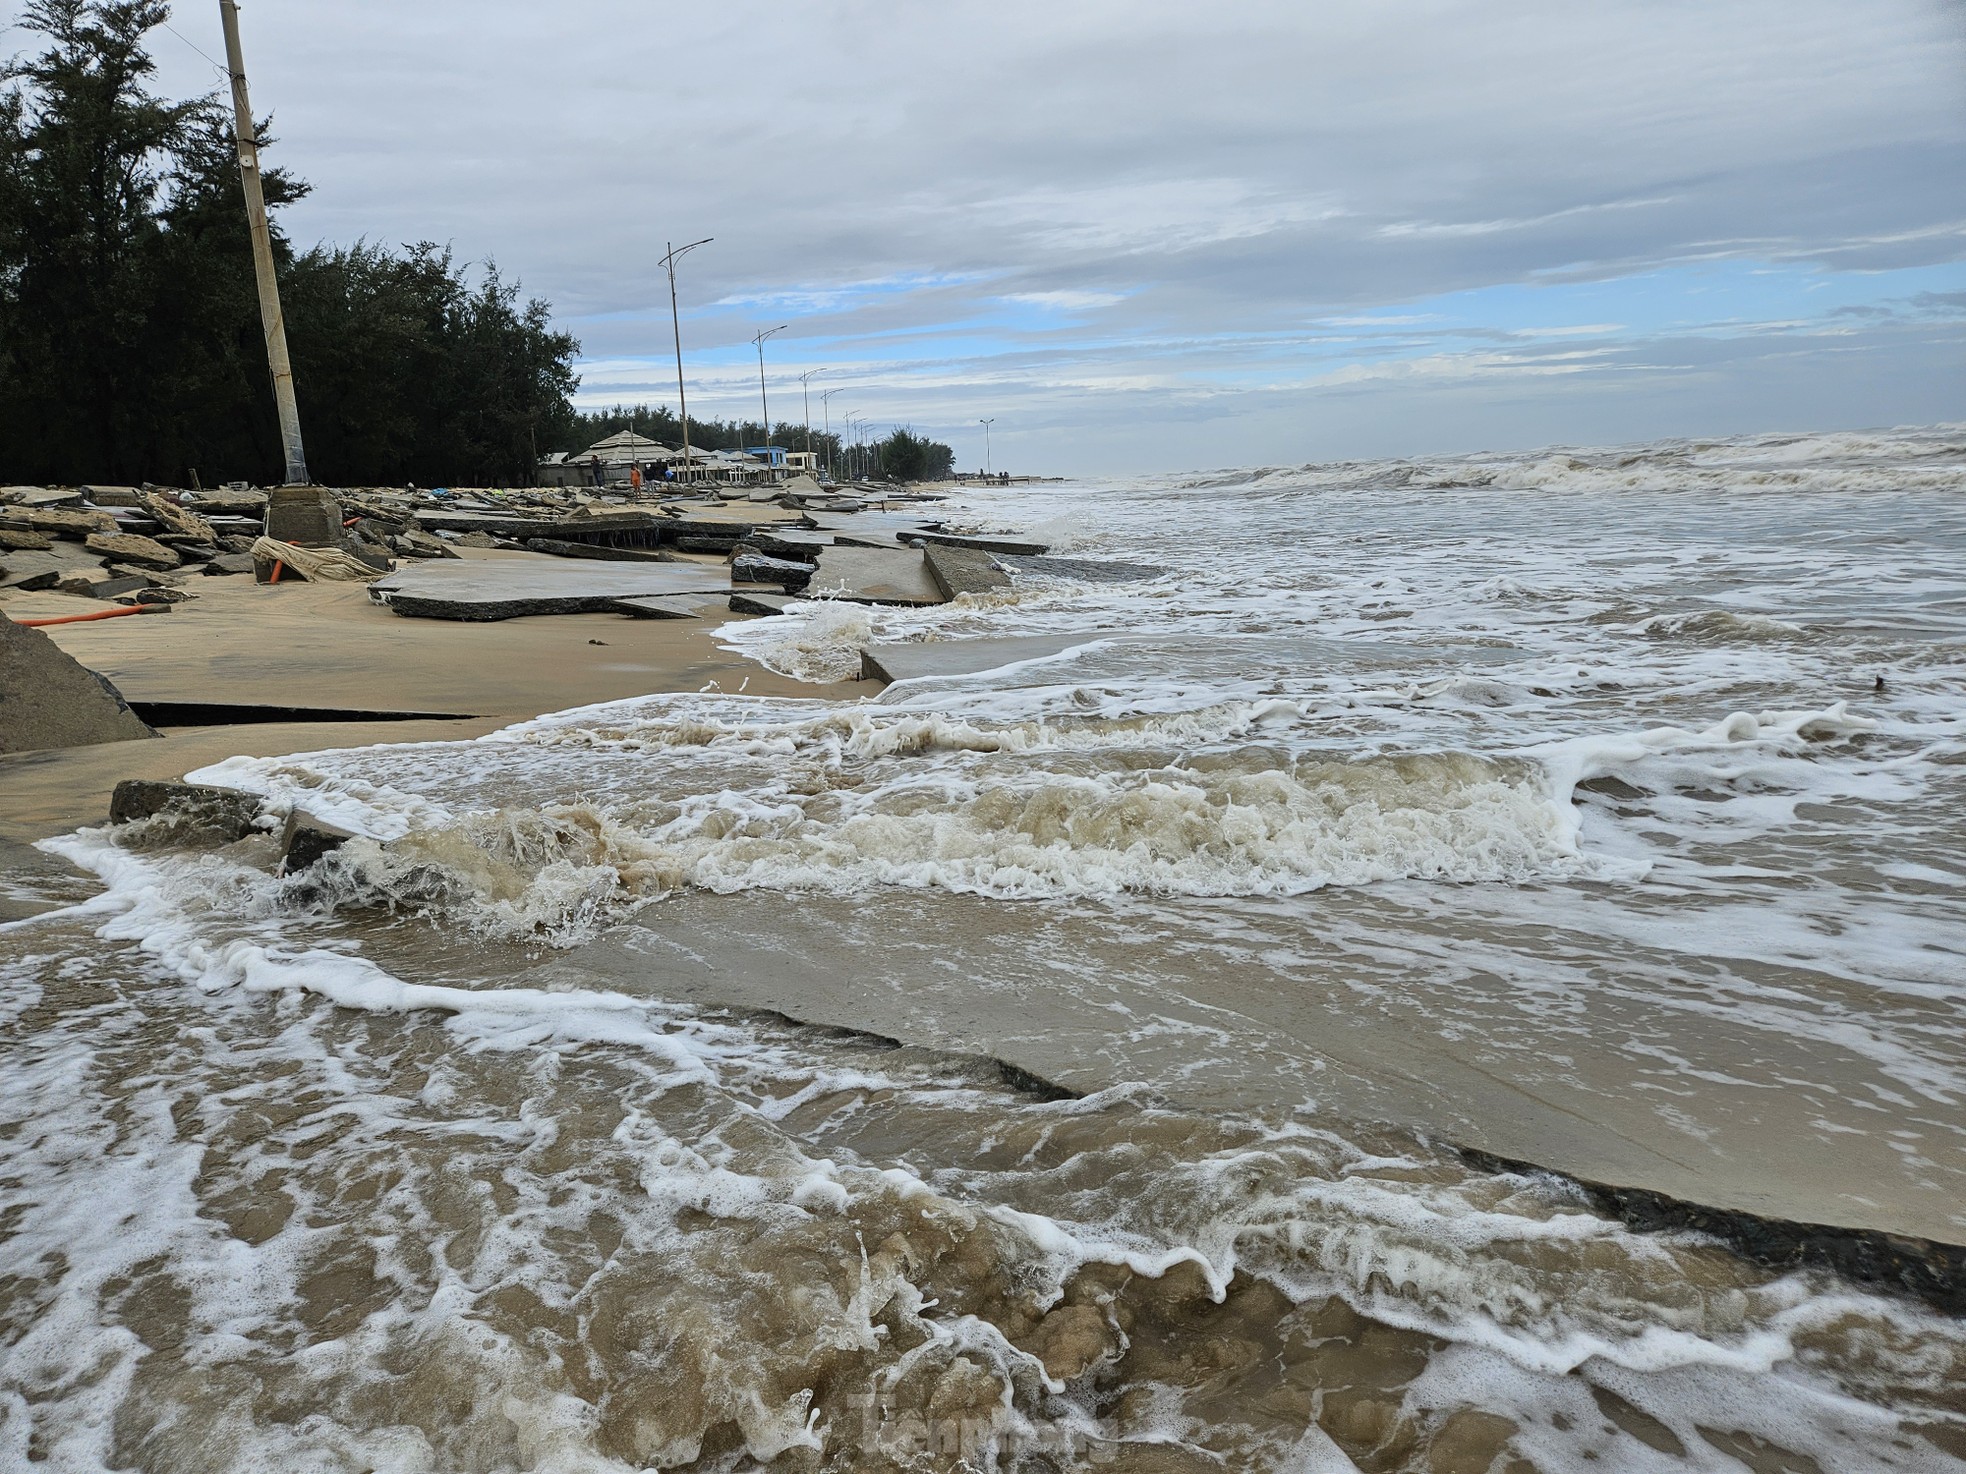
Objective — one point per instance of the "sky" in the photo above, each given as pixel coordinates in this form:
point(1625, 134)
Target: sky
point(1150, 236)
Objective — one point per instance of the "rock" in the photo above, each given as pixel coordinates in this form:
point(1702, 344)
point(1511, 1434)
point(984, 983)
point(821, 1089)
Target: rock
point(49, 700)
point(155, 596)
point(21, 540)
point(742, 602)
point(307, 839)
point(103, 586)
point(193, 810)
point(875, 576)
point(305, 515)
point(963, 570)
point(229, 563)
point(74, 523)
point(238, 544)
point(150, 576)
point(476, 540)
point(131, 547)
point(933, 659)
point(781, 572)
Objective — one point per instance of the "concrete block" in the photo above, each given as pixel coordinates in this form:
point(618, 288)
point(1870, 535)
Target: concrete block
point(131, 547)
point(963, 570)
point(307, 515)
point(306, 840)
point(194, 809)
point(49, 700)
point(875, 576)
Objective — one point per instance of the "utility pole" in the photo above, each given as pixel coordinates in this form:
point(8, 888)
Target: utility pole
point(986, 424)
point(676, 322)
point(762, 400)
point(270, 318)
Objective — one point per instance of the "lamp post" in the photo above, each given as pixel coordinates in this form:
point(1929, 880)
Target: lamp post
point(986, 424)
point(762, 400)
point(826, 409)
point(676, 322)
point(805, 383)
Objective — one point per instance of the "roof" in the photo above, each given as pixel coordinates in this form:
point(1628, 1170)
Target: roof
point(624, 446)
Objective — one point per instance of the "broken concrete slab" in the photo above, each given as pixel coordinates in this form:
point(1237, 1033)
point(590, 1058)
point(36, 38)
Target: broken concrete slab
point(113, 496)
point(187, 811)
point(782, 573)
point(743, 601)
point(306, 840)
point(31, 570)
point(74, 523)
point(963, 570)
point(48, 699)
point(131, 547)
point(19, 539)
point(515, 587)
point(228, 503)
point(177, 520)
point(41, 496)
point(599, 551)
point(797, 543)
point(682, 606)
point(944, 658)
point(101, 586)
point(228, 563)
point(1015, 547)
point(875, 576)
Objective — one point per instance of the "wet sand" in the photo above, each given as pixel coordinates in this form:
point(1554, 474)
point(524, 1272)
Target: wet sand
point(327, 647)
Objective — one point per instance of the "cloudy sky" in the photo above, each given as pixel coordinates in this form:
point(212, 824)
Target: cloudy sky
point(1151, 235)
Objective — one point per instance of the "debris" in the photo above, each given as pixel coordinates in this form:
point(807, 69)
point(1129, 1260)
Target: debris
point(307, 839)
point(131, 547)
point(963, 570)
point(226, 563)
point(875, 576)
point(315, 565)
point(48, 699)
point(156, 596)
point(19, 539)
point(176, 519)
point(943, 658)
point(597, 642)
point(743, 602)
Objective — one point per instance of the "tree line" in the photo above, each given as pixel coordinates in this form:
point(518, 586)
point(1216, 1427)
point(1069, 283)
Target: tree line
point(901, 456)
point(130, 338)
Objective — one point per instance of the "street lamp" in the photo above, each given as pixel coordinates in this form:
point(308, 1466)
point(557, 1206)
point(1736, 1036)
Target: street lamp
point(676, 322)
point(762, 400)
point(805, 383)
point(826, 408)
point(986, 424)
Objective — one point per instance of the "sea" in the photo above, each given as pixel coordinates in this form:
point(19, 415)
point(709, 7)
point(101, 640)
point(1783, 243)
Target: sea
point(1422, 970)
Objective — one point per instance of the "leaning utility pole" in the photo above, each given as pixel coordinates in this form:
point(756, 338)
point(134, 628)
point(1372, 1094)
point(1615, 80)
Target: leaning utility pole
point(269, 288)
point(676, 322)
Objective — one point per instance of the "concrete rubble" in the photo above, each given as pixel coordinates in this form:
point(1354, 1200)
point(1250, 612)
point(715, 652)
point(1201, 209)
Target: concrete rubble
point(48, 699)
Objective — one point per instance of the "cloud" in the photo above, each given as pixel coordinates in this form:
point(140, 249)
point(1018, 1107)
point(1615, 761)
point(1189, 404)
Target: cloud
point(1096, 217)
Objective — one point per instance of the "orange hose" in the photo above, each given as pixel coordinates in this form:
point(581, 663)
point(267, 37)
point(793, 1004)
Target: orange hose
point(277, 566)
point(96, 614)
